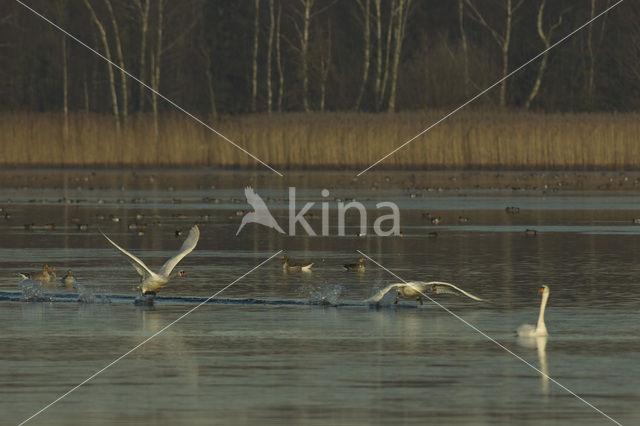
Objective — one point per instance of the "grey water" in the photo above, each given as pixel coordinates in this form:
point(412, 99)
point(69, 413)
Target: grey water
point(303, 348)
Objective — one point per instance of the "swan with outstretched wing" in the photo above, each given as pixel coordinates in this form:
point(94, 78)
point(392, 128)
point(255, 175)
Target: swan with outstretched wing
point(153, 282)
point(417, 290)
point(261, 213)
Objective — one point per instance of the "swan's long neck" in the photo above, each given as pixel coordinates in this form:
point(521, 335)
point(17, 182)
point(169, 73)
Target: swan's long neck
point(541, 328)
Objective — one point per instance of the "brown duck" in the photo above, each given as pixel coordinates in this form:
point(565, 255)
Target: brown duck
point(358, 267)
point(291, 266)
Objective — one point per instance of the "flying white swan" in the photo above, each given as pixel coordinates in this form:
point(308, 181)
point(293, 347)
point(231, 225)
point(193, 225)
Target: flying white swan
point(153, 282)
point(528, 330)
point(261, 215)
point(417, 289)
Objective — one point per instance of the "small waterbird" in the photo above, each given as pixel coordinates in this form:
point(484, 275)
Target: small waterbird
point(46, 276)
point(358, 267)
point(68, 279)
point(291, 266)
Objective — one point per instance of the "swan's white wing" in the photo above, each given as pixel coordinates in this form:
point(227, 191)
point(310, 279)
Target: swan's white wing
point(138, 269)
point(440, 287)
point(131, 256)
point(254, 199)
point(187, 247)
point(381, 293)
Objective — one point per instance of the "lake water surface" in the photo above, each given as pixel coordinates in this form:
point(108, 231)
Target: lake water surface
point(263, 352)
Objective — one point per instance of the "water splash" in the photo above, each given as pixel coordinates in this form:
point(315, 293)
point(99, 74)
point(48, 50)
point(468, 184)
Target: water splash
point(328, 296)
point(145, 300)
point(86, 296)
point(32, 291)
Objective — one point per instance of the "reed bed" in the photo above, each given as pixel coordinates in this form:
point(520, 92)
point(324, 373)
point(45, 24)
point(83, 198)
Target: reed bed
point(490, 140)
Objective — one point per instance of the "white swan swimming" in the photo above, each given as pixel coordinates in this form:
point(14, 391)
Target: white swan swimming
point(417, 289)
point(528, 330)
point(153, 282)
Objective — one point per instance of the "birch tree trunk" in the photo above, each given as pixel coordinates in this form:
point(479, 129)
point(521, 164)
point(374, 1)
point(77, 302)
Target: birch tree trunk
point(365, 8)
point(304, 47)
point(503, 41)
point(62, 17)
point(387, 62)
point(123, 75)
point(378, 81)
point(505, 56)
point(269, 55)
point(279, 60)
point(155, 68)
point(143, 10)
point(65, 89)
point(107, 53)
point(546, 39)
point(254, 75)
point(325, 66)
point(401, 24)
point(465, 46)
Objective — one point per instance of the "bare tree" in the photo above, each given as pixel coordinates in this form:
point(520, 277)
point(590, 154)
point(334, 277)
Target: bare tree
point(65, 72)
point(279, 59)
point(401, 14)
point(269, 55)
point(546, 39)
point(143, 10)
point(465, 46)
point(155, 67)
point(593, 49)
point(107, 53)
point(503, 40)
point(325, 66)
point(123, 75)
point(65, 88)
point(365, 9)
point(382, 76)
point(254, 75)
point(204, 50)
point(303, 37)
point(305, 14)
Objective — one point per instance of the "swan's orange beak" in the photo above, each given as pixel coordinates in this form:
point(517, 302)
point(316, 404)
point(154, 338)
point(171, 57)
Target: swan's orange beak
point(541, 290)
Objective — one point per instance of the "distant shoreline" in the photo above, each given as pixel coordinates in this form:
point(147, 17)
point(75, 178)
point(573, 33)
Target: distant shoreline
point(471, 140)
point(396, 182)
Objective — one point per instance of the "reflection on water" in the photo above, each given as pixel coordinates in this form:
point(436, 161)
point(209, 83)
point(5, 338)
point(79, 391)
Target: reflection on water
point(281, 348)
point(539, 343)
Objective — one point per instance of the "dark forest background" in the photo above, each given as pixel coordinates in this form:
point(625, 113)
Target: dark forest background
point(230, 57)
point(310, 83)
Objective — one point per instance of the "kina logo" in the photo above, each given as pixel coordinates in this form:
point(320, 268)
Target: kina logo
point(260, 213)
